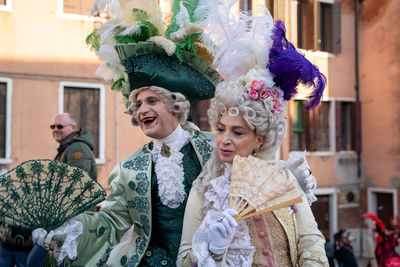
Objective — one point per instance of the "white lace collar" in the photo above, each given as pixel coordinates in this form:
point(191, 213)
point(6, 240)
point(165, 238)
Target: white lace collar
point(218, 191)
point(172, 140)
point(168, 167)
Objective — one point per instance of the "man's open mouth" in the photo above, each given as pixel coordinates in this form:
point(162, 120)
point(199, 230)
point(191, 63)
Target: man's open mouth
point(148, 120)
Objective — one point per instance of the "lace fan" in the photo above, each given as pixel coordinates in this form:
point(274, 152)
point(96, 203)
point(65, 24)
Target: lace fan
point(258, 188)
point(46, 193)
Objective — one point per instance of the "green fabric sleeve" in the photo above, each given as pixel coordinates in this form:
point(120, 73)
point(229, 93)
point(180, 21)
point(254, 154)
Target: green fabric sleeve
point(85, 158)
point(103, 229)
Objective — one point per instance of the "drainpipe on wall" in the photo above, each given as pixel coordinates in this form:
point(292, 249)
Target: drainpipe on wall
point(358, 116)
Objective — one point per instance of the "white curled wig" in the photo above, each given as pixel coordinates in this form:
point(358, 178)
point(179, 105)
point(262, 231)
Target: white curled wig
point(232, 97)
point(176, 102)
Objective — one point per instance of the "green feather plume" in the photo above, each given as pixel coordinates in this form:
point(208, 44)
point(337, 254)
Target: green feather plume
point(117, 85)
point(190, 5)
point(142, 35)
point(142, 16)
point(187, 44)
point(93, 40)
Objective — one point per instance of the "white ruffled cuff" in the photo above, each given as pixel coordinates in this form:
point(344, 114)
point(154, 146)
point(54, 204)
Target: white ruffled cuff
point(69, 231)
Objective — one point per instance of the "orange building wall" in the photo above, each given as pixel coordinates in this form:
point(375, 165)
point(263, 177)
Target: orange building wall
point(380, 89)
point(40, 51)
point(341, 68)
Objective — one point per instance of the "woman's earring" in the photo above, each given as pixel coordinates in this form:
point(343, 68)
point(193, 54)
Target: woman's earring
point(255, 152)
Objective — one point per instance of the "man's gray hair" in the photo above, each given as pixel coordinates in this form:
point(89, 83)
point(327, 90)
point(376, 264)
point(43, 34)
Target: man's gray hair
point(176, 102)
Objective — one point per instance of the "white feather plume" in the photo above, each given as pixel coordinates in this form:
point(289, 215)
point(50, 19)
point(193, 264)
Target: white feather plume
point(130, 30)
point(238, 40)
point(110, 68)
point(106, 31)
point(182, 17)
point(110, 6)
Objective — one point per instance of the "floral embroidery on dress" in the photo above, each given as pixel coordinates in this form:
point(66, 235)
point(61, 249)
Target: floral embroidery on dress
point(133, 260)
point(138, 163)
point(143, 183)
point(140, 244)
point(278, 239)
point(287, 220)
point(140, 203)
point(205, 147)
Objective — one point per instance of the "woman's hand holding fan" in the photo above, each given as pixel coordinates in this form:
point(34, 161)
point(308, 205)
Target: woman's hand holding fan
point(258, 187)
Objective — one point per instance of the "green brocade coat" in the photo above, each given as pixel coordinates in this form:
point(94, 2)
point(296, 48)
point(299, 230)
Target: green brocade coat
point(128, 204)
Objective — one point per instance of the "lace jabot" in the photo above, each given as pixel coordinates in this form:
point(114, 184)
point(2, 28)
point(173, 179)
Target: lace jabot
point(168, 167)
point(240, 251)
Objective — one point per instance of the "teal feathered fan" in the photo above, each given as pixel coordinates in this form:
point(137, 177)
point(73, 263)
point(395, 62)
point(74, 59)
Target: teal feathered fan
point(46, 193)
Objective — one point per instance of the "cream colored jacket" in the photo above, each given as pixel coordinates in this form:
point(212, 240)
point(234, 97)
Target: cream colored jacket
point(306, 242)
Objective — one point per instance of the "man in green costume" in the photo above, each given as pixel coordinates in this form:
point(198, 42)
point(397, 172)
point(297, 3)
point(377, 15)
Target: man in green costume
point(148, 189)
point(141, 222)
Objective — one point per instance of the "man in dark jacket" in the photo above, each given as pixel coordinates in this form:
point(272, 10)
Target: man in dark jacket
point(76, 145)
point(75, 149)
point(343, 249)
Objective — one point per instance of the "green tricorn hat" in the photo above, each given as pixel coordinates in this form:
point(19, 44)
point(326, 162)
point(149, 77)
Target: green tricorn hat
point(149, 55)
point(148, 64)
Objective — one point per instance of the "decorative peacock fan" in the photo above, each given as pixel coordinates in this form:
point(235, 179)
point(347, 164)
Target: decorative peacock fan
point(258, 188)
point(46, 193)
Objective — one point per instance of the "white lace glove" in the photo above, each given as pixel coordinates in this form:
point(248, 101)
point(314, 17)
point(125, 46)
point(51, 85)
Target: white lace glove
point(68, 232)
point(221, 231)
point(298, 165)
point(42, 238)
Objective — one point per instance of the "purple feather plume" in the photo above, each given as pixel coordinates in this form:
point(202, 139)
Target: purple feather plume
point(290, 68)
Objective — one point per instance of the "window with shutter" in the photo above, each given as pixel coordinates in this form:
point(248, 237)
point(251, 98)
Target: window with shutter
point(347, 126)
point(298, 127)
point(321, 126)
point(338, 124)
point(78, 7)
point(330, 27)
point(310, 128)
point(356, 126)
point(84, 105)
point(270, 5)
point(305, 24)
point(319, 25)
point(3, 116)
point(345, 122)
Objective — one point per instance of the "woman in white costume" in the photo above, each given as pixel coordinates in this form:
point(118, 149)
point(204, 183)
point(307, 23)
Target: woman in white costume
point(248, 113)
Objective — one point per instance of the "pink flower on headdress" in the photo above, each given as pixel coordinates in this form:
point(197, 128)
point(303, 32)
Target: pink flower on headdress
point(253, 93)
point(277, 105)
point(265, 93)
point(257, 85)
point(275, 93)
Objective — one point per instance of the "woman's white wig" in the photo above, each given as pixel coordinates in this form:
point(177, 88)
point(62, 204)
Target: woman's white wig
point(232, 97)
